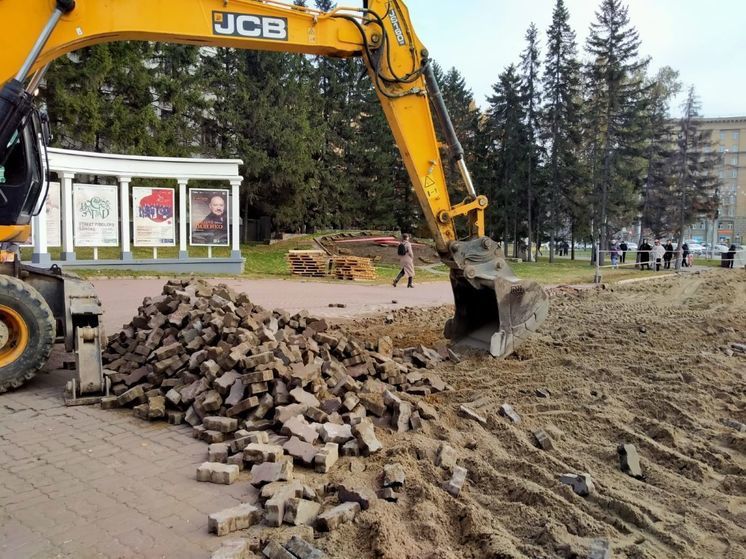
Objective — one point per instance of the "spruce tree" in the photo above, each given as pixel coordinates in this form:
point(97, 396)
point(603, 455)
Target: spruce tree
point(507, 126)
point(465, 118)
point(531, 94)
point(694, 164)
point(561, 121)
point(615, 97)
point(658, 211)
point(179, 98)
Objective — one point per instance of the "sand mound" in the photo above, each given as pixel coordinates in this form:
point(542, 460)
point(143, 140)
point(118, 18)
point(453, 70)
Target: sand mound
point(646, 364)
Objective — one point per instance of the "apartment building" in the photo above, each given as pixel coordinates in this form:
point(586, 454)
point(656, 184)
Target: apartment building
point(728, 137)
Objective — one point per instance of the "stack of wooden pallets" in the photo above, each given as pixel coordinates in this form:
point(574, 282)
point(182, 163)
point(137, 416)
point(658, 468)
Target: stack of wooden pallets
point(353, 268)
point(308, 263)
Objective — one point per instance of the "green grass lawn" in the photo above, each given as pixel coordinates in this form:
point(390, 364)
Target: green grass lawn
point(269, 261)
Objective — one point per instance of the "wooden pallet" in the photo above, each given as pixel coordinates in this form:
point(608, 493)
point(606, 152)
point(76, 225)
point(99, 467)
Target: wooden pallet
point(353, 268)
point(308, 263)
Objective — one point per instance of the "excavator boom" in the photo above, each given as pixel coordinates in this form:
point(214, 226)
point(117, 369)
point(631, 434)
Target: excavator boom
point(494, 309)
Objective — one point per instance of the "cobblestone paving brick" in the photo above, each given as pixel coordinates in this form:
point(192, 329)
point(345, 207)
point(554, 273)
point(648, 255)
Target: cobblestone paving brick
point(85, 483)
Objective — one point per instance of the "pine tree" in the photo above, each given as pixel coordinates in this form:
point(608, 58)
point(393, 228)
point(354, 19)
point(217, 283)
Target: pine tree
point(615, 97)
point(561, 122)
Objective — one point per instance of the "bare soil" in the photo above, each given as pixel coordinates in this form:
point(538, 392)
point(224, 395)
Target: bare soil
point(642, 364)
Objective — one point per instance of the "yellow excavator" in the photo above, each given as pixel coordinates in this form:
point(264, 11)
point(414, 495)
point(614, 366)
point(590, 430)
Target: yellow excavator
point(494, 310)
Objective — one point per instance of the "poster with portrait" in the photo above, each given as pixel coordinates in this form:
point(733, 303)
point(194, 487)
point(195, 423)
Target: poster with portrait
point(208, 217)
point(51, 214)
point(153, 217)
point(95, 215)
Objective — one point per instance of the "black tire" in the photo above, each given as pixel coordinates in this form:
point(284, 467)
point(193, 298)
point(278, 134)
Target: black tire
point(30, 306)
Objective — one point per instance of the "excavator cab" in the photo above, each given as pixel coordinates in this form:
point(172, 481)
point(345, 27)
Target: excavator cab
point(23, 165)
point(38, 307)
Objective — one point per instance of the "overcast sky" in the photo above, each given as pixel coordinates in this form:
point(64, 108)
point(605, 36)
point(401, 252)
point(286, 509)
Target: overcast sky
point(704, 41)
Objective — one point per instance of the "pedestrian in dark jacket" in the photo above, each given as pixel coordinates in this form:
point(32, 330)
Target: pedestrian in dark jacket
point(644, 255)
point(668, 254)
point(730, 256)
point(685, 255)
point(624, 248)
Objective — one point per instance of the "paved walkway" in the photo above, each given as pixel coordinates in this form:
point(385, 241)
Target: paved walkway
point(83, 482)
point(122, 297)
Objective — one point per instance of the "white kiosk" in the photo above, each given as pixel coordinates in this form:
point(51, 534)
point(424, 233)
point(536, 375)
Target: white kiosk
point(68, 163)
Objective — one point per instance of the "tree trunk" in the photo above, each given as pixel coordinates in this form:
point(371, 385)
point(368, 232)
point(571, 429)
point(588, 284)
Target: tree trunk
point(572, 240)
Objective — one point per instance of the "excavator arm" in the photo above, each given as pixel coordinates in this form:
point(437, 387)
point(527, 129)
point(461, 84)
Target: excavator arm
point(493, 308)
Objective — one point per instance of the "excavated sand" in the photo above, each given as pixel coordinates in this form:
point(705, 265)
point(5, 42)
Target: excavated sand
point(641, 364)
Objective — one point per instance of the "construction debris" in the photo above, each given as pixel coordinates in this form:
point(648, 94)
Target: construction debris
point(308, 263)
point(629, 461)
point(508, 411)
point(267, 390)
point(353, 268)
point(582, 484)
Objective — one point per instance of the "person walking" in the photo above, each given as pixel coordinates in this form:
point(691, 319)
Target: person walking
point(406, 261)
point(623, 247)
point(658, 253)
point(668, 255)
point(644, 254)
point(614, 254)
point(685, 255)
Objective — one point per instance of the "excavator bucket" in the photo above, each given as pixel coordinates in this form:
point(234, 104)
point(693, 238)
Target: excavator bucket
point(495, 311)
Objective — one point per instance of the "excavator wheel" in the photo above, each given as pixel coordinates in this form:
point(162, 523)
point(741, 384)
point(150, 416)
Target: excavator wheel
point(27, 332)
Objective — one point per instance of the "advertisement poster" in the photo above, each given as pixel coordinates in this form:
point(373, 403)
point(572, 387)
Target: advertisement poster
point(153, 217)
point(96, 215)
point(208, 216)
point(52, 215)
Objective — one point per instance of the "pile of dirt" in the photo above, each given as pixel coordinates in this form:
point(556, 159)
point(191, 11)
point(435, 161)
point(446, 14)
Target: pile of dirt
point(649, 364)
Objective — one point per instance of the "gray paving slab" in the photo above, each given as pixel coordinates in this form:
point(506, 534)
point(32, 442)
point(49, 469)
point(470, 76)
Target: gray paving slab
point(84, 482)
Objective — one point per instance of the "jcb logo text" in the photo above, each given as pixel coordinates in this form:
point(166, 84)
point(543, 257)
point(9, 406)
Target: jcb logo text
point(246, 25)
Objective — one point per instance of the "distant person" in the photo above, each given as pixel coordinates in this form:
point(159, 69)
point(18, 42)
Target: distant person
point(566, 247)
point(668, 255)
point(730, 256)
point(658, 253)
point(623, 247)
point(614, 254)
point(685, 262)
point(406, 261)
point(643, 254)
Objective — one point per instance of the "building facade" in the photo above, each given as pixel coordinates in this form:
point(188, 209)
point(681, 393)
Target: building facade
point(728, 137)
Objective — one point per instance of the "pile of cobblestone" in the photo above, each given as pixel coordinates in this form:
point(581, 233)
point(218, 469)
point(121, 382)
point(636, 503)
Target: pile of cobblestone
point(268, 390)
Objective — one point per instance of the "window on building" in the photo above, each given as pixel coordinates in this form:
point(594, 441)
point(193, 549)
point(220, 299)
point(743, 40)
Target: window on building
point(734, 173)
point(734, 149)
point(722, 136)
point(722, 149)
point(734, 160)
point(735, 135)
point(721, 174)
